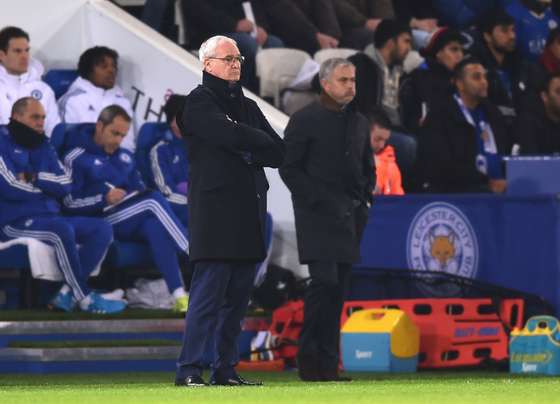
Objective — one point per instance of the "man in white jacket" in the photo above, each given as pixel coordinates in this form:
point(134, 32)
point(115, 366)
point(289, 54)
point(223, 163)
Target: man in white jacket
point(95, 89)
point(20, 76)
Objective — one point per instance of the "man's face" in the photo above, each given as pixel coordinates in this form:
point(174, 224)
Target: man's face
point(341, 85)
point(16, 58)
point(225, 63)
point(33, 116)
point(450, 55)
point(555, 48)
point(378, 137)
point(104, 73)
point(403, 44)
point(110, 136)
point(502, 38)
point(551, 97)
point(473, 83)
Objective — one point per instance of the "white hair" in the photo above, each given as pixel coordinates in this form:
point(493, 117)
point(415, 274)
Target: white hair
point(208, 47)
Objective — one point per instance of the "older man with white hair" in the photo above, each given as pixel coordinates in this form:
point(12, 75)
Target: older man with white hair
point(229, 141)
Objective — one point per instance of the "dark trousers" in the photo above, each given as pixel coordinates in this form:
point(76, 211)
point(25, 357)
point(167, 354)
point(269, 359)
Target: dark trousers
point(218, 300)
point(324, 299)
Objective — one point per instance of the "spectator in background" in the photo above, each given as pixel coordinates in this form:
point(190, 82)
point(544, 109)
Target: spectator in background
point(20, 76)
point(359, 18)
point(206, 18)
point(549, 62)
point(463, 139)
point(95, 89)
point(463, 14)
point(309, 25)
point(168, 161)
point(509, 76)
point(420, 16)
point(388, 174)
point(533, 21)
point(107, 185)
point(430, 82)
point(538, 126)
point(32, 182)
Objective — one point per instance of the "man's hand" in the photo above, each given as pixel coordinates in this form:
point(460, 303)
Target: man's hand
point(326, 41)
point(115, 195)
point(372, 23)
point(262, 36)
point(244, 26)
point(27, 177)
point(497, 186)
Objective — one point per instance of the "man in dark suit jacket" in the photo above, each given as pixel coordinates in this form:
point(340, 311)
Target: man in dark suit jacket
point(229, 141)
point(329, 171)
point(464, 138)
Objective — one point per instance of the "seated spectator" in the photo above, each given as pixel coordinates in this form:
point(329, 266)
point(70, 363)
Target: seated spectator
point(533, 21)
point(430, 82)
point(378, 75)
point(20, 76)
point(107, 185)
point(207, 18)
point(388, 175)
point(549, 62)
point(95, 89)
point(463, 139)
point(309, 25)
point(32, 181)
point(420, 16)
point(168, 162)
point(463, 14)
point(538, 126)
point(358, 20)
point(509, 75)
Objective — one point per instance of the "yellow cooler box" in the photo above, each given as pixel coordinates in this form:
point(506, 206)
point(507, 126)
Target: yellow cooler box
point(380, 340)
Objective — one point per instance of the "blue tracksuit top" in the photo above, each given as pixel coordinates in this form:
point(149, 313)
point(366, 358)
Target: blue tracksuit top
point(94, 172)
point(168, 168)
point(20, 199)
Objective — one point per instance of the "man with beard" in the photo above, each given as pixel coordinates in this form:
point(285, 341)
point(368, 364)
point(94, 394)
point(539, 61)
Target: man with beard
point(461, 144)
point(32, 181)
point(329, 171)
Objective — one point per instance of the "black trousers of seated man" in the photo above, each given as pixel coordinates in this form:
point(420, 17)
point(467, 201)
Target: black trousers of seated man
point(318, 352)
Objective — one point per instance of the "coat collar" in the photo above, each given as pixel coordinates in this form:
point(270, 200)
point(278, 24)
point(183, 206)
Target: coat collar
point(222, 88)
point(328, 103)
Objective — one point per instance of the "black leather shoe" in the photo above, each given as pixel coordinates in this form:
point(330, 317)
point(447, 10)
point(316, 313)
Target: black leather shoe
point(308, 369)
point(234, 381)
point(333, 376)
point(191, 381)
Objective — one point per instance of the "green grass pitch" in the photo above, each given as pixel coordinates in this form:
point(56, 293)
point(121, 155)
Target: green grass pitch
point(423, 387)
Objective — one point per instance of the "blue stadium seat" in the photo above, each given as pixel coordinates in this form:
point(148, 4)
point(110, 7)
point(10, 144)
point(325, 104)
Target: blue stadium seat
point(60, 80)
point(63, 132)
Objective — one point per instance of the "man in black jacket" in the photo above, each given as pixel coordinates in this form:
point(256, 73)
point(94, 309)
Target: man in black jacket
point(229, 141)
point(329, 171)
point(538, 126)
point(461, 144)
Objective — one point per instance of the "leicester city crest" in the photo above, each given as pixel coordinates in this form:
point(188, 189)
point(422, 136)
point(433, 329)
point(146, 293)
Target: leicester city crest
point(441, 239)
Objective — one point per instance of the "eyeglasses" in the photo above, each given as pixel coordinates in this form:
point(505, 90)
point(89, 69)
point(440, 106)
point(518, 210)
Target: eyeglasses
point(230, 59)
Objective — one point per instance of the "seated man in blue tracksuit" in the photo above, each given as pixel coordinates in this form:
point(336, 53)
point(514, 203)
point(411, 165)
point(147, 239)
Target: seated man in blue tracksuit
point(168, 162)
point(31, 181)
point(106, 184)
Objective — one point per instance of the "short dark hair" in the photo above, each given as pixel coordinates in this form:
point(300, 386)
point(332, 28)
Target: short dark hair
point(20, 106)
point(389, 29)
point(496, 18)
point(108, 114)
point(174, 106)
point(545, 86)
point(9, 33)
point(378, 117)
point(94, 56)
point(459, 71)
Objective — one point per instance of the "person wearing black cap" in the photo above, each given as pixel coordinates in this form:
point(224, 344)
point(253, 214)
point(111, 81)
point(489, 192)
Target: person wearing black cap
point(431, 81)
point(509, 75)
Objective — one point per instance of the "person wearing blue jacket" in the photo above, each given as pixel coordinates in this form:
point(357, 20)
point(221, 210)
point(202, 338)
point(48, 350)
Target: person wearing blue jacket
point(169, 169)
point(106, 184)
point(32, 180)
point(461, 14)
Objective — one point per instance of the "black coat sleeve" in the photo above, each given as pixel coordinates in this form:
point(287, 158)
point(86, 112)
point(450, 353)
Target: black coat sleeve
point(273, 155)
point(369, 170)
point(204, 119)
